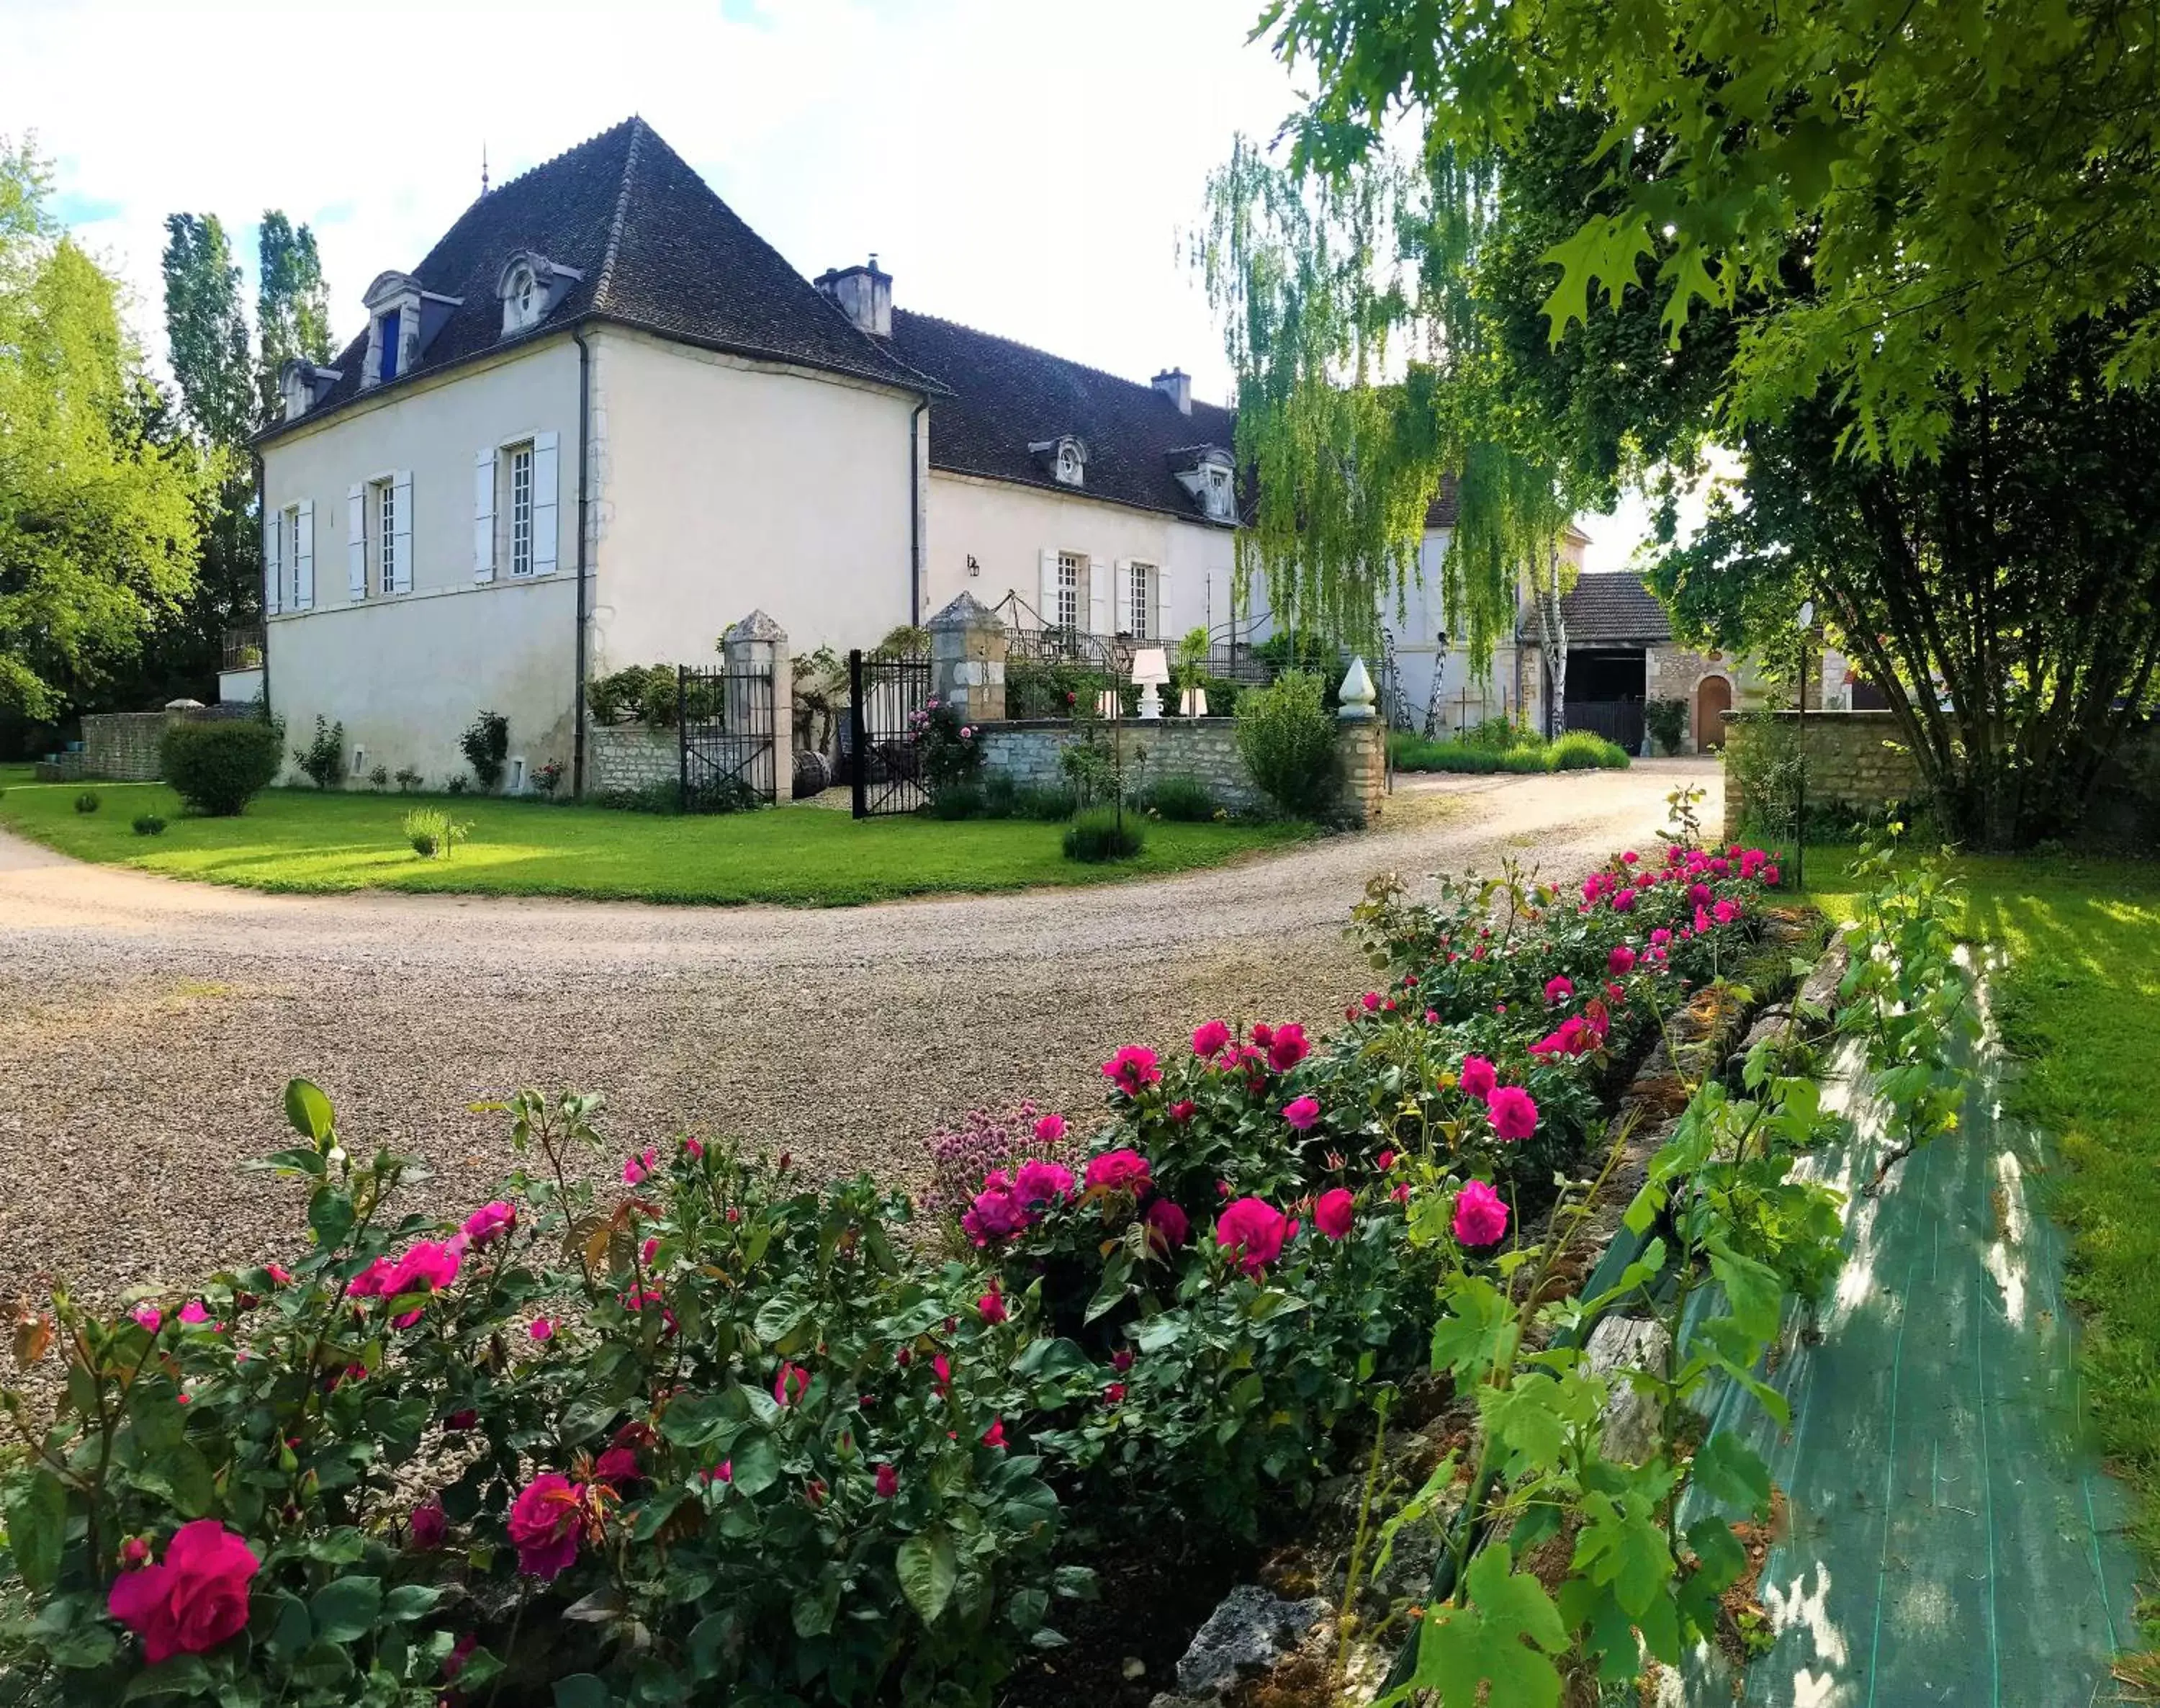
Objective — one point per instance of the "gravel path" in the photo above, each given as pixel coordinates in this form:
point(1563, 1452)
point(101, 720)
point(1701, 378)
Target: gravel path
point(147, 1026)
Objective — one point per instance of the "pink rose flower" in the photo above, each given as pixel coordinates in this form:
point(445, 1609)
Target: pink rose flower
point(635, 1170)
point(1699, 894)
point(279, 1273)
point(1478, 1078)
point(693, 1149)
point(1209, 1037)
point(888, 1482)
point(996, 1214)
point(490, 1222)
point(1302, 1113)
point(1480, 1218)
point(1371, 1001)
point(1133, 1069)
point(1559, 989)
point(1121, 1360)
point(1049, 1129)
point(1514, 1116)
point(724, 1471)
point(1724, 912)
point(1770, 876)
point(1114, 1393)
point(1623, 901)
point(1166, 1225)
point(541, 1328)
point(1182, 1111)
point(994, 1436)
point(428, 1267)
point(1256, 1231)
point(193, 1601)
point(1037, 1183)
point(1629, 858)
point(992, 1305)
point(1117, 1171)
point(546, 1521)
point(1331, 1215)
point(791, 1384)
point(148, 1316)
point(194, 1313)
point(427, 1526)
point(615, 1466)
point(1286, 1046)
point(1384, 1161)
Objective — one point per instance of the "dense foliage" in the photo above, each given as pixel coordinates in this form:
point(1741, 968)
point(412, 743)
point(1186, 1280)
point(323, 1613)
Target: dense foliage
point(1286, 737)
point(218, 765)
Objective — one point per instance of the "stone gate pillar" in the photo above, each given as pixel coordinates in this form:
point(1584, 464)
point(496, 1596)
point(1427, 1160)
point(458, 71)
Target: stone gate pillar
point(1361, 739)
point(757, 647)
point(968, 660)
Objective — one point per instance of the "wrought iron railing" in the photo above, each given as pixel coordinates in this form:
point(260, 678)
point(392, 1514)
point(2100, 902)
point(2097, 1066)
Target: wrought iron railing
point(244, 648)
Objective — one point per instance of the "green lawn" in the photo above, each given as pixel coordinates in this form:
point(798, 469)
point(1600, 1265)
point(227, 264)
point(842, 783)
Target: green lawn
point(300, 840)
point(2081, 1004)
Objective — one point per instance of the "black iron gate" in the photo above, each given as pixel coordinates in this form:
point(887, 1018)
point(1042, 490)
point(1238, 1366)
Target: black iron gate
point(724, 719)
point(884, 696)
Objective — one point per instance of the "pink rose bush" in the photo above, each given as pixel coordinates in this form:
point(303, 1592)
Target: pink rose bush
point(193, 1601)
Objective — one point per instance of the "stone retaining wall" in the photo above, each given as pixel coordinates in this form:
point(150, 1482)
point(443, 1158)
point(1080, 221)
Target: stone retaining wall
point(628, 757)
point(122, 747)
point(1855, 760)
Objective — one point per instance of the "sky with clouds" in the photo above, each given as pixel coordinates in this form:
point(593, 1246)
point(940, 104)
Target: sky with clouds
point(1026, 169)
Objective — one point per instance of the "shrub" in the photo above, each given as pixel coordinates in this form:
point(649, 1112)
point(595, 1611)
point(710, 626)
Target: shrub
point(89, 801)
point(1422, 752)
point(947, 751)
point(547, 778)
point(149, 824)
point(1090, 769)
point(457, 784)
point(1183, 800)
point(1580, 750)
point(486, 747)
point(433, 833)
point(1286, 736)
point(1099, 834)
point(323, 759)
point(1666, 720)
point(408, 780)
point(379, 778)
point(1053, 688)
point(217, 766)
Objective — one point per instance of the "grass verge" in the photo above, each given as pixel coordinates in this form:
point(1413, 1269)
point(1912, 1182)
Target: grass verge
point(294, 840)
point(1577, 750)
point(2080, 1003)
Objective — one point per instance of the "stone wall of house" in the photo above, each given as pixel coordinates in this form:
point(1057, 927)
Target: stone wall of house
point(624, 758)
point(1854, 759)
point(1031, 750)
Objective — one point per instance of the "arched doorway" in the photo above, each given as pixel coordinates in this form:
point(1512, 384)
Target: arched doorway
point(1713, 699)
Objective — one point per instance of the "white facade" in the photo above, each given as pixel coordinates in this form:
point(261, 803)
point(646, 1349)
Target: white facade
point(404, 634)
point(992, 539)
point(726, 485)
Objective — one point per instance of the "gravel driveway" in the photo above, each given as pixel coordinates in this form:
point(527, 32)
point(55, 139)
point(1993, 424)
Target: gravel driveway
point(147, 1026)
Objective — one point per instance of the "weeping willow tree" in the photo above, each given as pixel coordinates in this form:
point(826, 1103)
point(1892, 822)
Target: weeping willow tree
point(1367, 373)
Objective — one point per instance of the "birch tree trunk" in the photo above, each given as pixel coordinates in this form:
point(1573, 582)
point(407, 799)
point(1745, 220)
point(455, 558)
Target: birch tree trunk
point(1552, 643)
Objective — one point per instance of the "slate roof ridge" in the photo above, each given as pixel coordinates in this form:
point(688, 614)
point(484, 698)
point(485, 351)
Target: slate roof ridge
point(638, 129)
point(1035, 349)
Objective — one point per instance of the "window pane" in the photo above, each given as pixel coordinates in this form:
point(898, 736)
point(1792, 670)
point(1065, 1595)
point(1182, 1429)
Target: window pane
point(388, 370)
point(521, 511)
point(386, 526)
point(1067, 613)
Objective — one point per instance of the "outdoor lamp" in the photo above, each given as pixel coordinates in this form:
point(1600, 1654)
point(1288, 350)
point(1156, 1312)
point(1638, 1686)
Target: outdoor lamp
point(1150, 671)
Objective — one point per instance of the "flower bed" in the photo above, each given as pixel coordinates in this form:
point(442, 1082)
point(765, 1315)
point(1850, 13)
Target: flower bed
point(715, 1432)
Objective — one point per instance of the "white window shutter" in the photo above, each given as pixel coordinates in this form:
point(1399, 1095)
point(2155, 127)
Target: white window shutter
point(545, 488)
point(1125, 586)
point(273, 573)
point(484, 515)
point(1098, 598)
point(1162, 627)
point(356, 543)
point(303, 557)
point(401, 543)
point(1048, 591)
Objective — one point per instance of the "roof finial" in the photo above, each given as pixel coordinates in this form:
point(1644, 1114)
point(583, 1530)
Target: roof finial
point(483, 168)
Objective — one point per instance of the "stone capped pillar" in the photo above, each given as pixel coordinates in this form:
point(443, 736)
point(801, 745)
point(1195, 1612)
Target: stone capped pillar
point(968, 660)
point(758, 644)
point(1361, 739)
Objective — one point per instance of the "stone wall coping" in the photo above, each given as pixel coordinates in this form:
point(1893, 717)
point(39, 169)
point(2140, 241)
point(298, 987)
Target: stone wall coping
point(990, 727)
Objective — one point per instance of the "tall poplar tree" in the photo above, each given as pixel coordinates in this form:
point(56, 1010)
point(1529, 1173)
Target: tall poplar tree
point(292, 304)
point(206, 329)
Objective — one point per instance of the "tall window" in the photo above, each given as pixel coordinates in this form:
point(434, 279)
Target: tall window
point(1067, 613)
point(289, 553)
point(386, 529)
point(1143, 575)
point(520, 510)
point(386, 357)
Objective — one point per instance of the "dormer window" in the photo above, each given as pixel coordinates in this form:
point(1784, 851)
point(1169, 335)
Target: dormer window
point(1207, 473)
point(401, 317)
point(529, 286)
point(1065, 458)
point(303, 385)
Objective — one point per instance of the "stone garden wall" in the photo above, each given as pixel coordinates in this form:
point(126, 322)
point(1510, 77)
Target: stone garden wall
point(628, 757)
point(1855, 760)
point(122, 747)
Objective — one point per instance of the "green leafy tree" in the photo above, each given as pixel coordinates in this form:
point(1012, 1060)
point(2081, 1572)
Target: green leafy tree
point(99, 493)
point(292, 304)
point(206, 329)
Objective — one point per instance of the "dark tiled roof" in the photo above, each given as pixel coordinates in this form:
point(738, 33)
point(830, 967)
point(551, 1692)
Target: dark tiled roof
point(1440, 512)
point(658, 249)
point(1613, 609)
point(1008, 395)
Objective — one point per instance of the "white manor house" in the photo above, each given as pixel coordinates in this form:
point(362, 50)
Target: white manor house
point(602, 420)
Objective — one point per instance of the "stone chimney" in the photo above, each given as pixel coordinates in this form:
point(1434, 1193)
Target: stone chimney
point(864, 296)
point(1176, 385)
